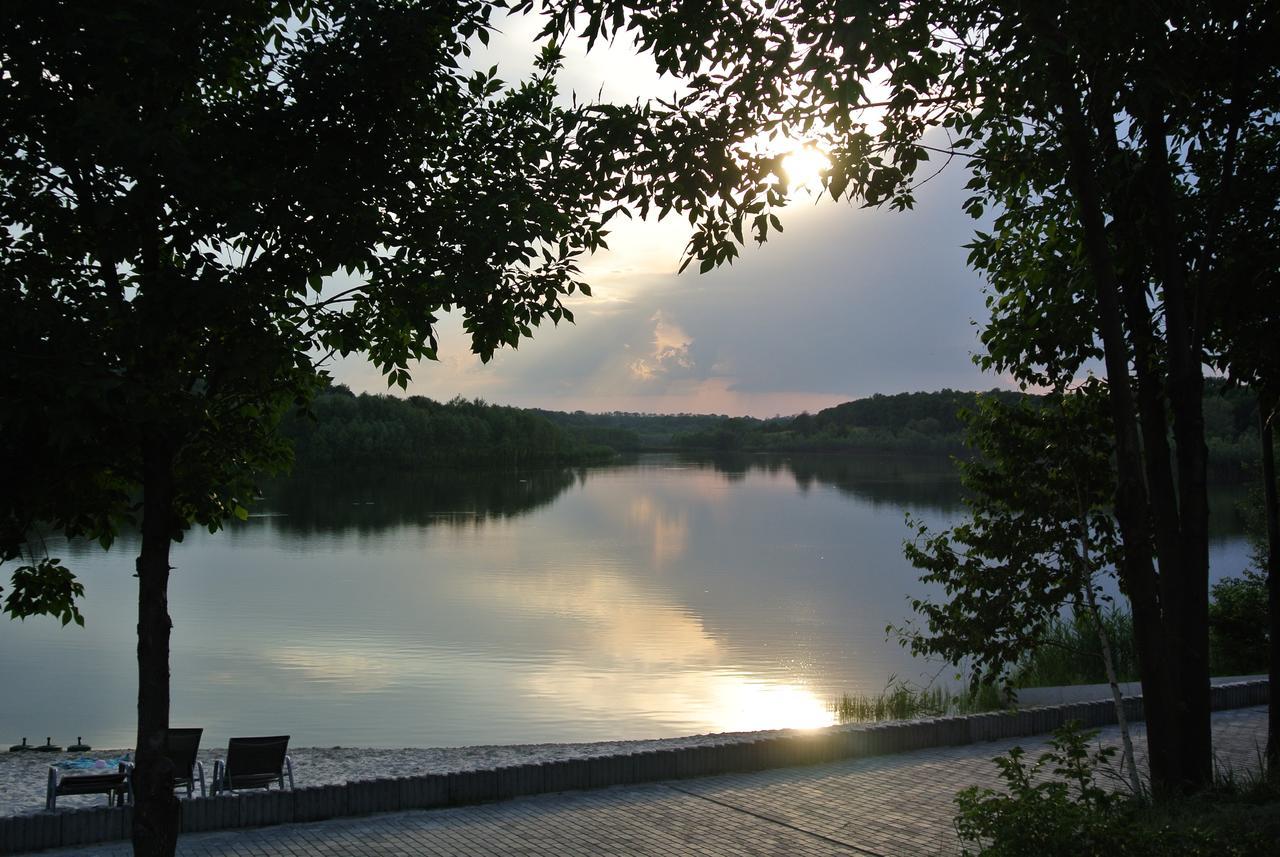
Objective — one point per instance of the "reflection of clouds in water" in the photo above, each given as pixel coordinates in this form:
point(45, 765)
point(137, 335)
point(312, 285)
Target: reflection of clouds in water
point(352, 672)
point(616, 625)
point(633, 654)
point(706, 700)
point(668, 528)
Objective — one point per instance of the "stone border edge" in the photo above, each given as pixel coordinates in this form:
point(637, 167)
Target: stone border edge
point(23, 833)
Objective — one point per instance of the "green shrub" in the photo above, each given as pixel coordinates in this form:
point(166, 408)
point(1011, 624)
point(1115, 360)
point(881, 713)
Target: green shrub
point(1238, 628)
point(1060, 806)
point(1066, 815)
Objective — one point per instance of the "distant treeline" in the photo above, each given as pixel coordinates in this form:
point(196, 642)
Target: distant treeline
point(633, 432)
point(920, 422)
point(931, 423)
point(369, 430)
point(905, 422)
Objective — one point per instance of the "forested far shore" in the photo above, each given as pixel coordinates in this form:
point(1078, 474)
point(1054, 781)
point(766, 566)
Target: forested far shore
point(901, 422)
point(371, 431)
point(366, 430)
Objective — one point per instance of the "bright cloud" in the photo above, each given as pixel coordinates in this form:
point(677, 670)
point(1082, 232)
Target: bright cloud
point(846, 303)
point(670, 356)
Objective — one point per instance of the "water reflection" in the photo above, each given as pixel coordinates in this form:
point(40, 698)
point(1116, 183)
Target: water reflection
point(924, 482)
point(372, 500)
point(366, 501)
point(663, 596)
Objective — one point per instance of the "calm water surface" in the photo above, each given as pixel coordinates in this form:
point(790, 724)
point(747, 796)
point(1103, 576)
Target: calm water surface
point(660, 597)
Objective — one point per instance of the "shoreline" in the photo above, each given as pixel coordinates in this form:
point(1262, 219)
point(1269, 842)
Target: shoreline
point(24, 775)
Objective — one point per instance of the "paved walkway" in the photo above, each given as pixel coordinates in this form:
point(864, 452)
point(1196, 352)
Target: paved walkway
point(889, 805)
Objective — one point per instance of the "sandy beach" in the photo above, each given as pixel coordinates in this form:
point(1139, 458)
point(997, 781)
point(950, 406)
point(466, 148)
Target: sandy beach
point(24, 776)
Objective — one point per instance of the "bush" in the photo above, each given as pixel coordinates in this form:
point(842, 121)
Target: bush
point(1068, 816)
point(1239, 640)
point(1074, 813)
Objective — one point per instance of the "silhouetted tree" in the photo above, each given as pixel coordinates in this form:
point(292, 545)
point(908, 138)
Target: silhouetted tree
point(178, 184)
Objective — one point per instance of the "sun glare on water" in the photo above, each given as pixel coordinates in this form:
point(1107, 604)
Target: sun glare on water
point(748, 705)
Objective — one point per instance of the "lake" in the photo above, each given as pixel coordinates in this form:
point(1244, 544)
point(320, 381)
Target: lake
point(656, 597)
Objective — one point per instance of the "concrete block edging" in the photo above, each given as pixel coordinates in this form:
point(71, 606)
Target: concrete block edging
point(364, 797)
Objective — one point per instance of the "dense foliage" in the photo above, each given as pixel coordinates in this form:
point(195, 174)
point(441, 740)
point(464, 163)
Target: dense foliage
point(201, 201)
point(1038, 536)
point(1069, 652)
point(367, 431)
point(1239, 630)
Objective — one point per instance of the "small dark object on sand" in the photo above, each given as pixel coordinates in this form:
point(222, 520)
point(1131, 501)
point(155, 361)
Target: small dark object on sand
point(79, 746)
point(48, 747)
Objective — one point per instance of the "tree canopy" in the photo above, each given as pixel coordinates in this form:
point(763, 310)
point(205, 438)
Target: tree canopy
point(198, 203)
point(178, 185)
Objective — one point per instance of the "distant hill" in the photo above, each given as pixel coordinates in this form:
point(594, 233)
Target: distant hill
point(379, 430)
point(930, 423)
point(929, 414)
point(903, 422)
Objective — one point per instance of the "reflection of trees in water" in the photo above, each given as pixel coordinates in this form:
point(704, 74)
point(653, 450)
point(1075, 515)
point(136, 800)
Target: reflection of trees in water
point(375, 500)
point(916, 481)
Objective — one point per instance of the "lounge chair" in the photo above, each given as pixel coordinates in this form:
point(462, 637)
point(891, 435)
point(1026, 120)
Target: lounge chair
point(181, 747)
point(253, 763)
point(118, 786)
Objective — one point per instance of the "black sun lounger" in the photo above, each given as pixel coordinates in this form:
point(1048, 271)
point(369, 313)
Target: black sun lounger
point(253, 763)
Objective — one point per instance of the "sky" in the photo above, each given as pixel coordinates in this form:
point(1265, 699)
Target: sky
point(847, 302)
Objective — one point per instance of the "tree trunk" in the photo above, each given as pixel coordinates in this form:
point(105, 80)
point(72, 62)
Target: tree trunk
point(1271, 505)
point(156, 809)
point(1186, 615)
point(1132, 513)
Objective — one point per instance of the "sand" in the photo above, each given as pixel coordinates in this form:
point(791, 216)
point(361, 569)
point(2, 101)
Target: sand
point(24, 776)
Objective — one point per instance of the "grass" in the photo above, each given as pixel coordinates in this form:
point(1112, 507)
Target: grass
point(1072, 654)
point(901, 701)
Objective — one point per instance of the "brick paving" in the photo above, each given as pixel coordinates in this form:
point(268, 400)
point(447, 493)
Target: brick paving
point(888, 805)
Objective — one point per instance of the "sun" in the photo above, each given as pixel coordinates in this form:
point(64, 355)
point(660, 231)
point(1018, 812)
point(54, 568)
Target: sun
point(805, 166)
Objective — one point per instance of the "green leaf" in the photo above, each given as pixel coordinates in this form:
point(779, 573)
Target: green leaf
point(47, 588)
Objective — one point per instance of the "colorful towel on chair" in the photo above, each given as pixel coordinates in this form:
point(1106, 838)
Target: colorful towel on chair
point(86, 765)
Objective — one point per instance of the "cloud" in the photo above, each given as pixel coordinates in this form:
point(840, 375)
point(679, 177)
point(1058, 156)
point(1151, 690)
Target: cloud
point(845, 303)
point(671, 355)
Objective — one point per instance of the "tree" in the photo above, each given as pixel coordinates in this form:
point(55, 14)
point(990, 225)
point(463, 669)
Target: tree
point(1246, 346)
point(1082, 126)
point(178, 182)
point(1038, 539)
